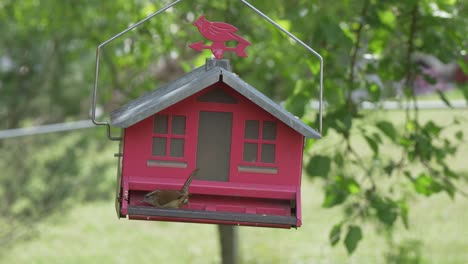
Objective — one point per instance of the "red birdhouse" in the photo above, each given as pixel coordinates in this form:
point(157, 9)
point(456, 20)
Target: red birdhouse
point(208, 147)
point(248, 150)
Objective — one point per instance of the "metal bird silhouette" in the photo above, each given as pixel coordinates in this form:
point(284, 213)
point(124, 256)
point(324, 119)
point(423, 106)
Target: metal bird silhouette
point(170, 198)
point(219, 33)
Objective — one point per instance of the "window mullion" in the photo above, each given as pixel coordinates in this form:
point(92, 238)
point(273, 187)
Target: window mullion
point(259, 142)
point(169, 124)
point(168, 136)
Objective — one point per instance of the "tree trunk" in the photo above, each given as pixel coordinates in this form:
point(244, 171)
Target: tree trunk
point(229, 239)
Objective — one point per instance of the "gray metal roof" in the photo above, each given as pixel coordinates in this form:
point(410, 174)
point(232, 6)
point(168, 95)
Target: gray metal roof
point(193, 82)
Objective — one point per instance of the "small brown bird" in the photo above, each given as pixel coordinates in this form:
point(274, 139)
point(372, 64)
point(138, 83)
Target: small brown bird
point(170, 198)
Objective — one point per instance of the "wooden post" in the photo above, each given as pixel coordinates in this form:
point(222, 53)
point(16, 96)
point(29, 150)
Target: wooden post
point(229, 239)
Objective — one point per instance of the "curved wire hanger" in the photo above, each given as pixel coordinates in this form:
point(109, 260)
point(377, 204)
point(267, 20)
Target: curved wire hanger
point(289, 34)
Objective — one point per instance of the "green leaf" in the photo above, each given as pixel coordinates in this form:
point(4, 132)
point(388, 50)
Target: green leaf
point(286, 24)
point(372, 144)
point(388, 18)
point(296, 103)
point(425, 184)
point(405, 142)
point(449, 173)
point(338, 191)
point(353, 187)
point(404, 209)
point(389, 168)
point(386, 208)
point(444, 99)
point(341, 120)
point(334, 197)
point(431, 128)
point(318, 166)
point(464, 89)
point(338, 158)
point(463, 65)
point(352, 238)
point(423, 147)
point(374, 91)
point(429, 79)
point(335, 234)
point(388, 129)
point(422, 184)
point(411, 125)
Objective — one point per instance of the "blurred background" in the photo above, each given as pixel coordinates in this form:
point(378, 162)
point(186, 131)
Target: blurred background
point(387, 183)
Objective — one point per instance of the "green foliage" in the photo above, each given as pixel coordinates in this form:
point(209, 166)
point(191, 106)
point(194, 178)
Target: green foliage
point(318, 165)
point(389, 33)
point(386, 209)
point(353, 236)
point(339, 189)
point(335, 234)
point(387, 129)
point(407, 252)
point(45, 175)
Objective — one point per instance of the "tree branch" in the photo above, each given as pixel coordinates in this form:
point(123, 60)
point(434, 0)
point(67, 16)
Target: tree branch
point(355, 50)
point(409, 78)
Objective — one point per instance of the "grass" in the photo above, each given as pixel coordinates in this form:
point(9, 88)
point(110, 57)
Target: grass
point(91, 233)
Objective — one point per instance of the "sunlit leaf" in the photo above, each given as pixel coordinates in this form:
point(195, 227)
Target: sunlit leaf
point(425, 184)
point(337, 191)
point(353, 187)
point(411, 125)
point(387, 17)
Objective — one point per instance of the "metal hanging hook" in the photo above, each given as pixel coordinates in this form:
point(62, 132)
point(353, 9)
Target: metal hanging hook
point(98, 49)
point(316, 54)
point(289, 34)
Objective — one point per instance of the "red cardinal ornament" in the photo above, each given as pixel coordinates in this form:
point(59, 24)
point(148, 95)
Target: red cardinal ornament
point(219, 33)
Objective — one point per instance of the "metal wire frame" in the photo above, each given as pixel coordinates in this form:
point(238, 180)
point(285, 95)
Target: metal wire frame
point(289, 34)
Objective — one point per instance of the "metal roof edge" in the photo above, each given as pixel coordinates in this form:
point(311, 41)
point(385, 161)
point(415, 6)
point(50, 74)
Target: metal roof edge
point(164, 97)
point(268, 105)
point(193, 82)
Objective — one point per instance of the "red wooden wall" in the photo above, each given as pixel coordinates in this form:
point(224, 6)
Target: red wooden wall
point(138, 145)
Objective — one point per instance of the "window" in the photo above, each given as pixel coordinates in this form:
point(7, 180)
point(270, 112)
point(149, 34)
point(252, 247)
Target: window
point(259, 142)
point(168, 136)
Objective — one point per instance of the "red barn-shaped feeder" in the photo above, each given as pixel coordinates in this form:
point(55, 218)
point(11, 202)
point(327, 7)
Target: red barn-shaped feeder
point(247, 147)
point(243, 150)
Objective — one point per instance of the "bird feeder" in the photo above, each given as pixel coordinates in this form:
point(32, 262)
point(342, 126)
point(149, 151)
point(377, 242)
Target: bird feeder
point(248, 149)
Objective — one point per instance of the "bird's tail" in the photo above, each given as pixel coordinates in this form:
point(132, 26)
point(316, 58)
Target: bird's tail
point(240, 49)
point(189, 180)
point(241, 45)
